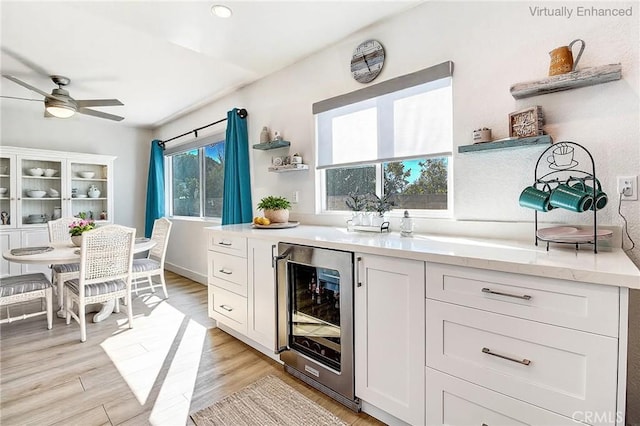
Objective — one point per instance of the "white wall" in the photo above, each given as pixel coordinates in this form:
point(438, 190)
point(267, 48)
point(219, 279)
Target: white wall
point(26, 127)
point(493, 45)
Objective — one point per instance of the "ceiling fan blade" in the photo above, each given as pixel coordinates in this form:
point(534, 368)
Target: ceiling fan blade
point(25, 61)
point(30, 87)
point(21, 99)
point(100, 114)
point(98, 102)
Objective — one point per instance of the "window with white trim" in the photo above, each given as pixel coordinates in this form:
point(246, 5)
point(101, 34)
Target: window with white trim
point(394, 140)
point(195, 173)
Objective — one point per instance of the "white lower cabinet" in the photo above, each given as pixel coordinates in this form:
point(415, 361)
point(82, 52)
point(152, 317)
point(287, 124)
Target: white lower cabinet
point(455, 402)
point(242, 286)
point(390, 335)
point(7, 241)
point(261, 321)
point(513, 349)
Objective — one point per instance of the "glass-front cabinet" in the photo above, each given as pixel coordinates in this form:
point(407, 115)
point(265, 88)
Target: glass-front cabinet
point(40, 185)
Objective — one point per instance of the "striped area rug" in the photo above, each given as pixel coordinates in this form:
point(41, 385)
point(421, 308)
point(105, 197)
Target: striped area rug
point(269, 401)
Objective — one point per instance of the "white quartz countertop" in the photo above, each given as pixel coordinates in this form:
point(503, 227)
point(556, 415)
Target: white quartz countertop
point(608, 266)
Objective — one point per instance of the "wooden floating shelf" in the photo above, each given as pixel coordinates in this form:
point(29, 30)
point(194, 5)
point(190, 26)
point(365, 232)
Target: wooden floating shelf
point(573, 80)
point(271, 145)
point(288, 168)
point(507, 143)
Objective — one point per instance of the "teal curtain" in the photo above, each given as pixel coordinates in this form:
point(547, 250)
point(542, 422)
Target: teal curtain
point(155, 187)
point(236, 201)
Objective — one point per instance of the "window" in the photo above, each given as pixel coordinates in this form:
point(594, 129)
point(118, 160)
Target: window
point(196, 176)
point(393, 140)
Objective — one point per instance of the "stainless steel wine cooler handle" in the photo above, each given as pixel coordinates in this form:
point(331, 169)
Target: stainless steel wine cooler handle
point(274, 263)
point(499, 293)
point(523, 361)
point(358, 263)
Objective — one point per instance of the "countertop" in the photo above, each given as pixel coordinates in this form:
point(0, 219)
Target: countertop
point(610, 266)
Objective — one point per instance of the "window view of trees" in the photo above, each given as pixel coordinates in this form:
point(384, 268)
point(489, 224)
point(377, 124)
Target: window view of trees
point(409, 184)
point(187, 183)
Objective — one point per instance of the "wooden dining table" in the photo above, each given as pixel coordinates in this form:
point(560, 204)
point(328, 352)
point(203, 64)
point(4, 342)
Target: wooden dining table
point(61, 253)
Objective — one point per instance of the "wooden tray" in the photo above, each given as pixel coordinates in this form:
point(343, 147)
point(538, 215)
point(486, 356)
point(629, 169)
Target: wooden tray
point(277, 225)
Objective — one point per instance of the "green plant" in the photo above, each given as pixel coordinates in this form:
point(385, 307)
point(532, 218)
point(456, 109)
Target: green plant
point(382, 205)
point(274, 203)
point(356, 202)
point(79, 226)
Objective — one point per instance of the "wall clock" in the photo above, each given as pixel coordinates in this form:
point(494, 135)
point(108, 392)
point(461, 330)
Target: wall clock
point(367, 61)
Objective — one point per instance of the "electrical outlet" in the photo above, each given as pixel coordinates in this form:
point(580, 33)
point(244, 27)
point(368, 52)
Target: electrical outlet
point(294, 197)
point(628, 187)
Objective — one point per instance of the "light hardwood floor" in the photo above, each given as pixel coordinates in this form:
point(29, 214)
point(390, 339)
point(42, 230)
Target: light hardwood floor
point(172, 363)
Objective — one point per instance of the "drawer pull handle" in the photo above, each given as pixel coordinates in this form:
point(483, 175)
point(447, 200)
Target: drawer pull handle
point(488, 290)
point(224, 243)
point(225, 271)
point(226, 308)
point(523, 361)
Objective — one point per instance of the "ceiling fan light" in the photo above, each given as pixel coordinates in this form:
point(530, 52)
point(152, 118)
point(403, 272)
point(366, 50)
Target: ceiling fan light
point(221, 11)
point(60, 111)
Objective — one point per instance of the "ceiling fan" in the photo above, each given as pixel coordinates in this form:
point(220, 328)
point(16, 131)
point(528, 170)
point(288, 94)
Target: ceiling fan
point(60, 104)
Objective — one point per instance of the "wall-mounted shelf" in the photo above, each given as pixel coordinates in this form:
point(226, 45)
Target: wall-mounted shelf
point(507, 143)
point(271, 145)
point(573, 80)
point(288, 168)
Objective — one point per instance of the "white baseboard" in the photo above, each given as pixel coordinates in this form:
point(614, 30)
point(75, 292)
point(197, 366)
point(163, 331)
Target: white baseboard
point(192, 275)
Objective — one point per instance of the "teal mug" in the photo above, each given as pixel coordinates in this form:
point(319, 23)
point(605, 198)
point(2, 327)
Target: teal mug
point(601, 198)
point(534, 198)
point(570, 198)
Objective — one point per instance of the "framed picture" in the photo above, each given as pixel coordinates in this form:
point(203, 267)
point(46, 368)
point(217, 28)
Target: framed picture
point(527, 122)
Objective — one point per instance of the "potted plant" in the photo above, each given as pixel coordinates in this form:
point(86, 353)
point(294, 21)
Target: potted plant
point(276, 209)
point(77, 227)
point(381, 206)
point(357, 203)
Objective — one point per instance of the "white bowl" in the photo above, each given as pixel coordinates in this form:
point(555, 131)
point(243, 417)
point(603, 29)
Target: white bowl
point(50, 172)
point(53, 192)
point(36, 193)
point(86, 175)
point(3, 191)
point(36, 172)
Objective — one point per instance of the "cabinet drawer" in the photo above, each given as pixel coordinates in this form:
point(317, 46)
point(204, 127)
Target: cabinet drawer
point(228, 308)
point(229, 272)
point(587, 307)
point(555, 368)
point(225, 243)
point(455, 402)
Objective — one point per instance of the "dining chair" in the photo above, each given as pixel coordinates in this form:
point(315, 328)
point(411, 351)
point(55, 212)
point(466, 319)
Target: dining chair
point(23, 288)
point(145, 269)
point(106, 258)
point(59, 233)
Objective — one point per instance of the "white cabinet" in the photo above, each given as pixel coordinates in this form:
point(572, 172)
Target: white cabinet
point(261, 322)
point(539, 347)
point(390, 335)
point(242, 285)
point(65, 178)
point(9, 239)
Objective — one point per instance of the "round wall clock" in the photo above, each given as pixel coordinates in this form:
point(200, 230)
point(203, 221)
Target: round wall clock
point(367, 61)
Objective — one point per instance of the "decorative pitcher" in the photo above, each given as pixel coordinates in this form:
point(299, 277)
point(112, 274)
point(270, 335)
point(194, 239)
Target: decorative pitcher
point(562, 60)
point(93, 192)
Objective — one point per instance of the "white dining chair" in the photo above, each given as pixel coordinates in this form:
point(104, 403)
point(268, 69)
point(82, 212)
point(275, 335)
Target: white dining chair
point(153, 265)
point(106, 258)
point(59, 233)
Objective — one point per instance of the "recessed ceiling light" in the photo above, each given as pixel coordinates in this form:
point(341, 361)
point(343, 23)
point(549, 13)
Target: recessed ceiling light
point(221, 11)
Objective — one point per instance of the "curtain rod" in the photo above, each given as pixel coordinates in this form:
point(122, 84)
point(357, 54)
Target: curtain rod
point(242, 113)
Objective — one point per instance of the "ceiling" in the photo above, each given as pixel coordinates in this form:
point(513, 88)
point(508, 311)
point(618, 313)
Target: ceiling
point(163, 59)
